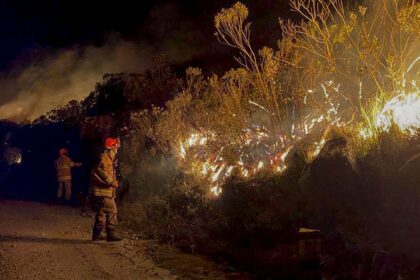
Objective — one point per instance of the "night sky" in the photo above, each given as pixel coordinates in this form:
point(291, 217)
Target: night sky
point(56, 51)
point(27, 26)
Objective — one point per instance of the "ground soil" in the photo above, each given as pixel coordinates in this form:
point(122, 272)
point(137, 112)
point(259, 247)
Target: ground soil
point(41, 241)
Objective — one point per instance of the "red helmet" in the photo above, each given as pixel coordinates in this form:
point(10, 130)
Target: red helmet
point(62, 151)
point(111, 143)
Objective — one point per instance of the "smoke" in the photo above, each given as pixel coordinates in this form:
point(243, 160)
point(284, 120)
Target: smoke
point(58, 76)
point(53, 79)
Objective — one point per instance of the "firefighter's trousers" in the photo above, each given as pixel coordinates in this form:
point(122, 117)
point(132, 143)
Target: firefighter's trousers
point(106, 214)
point(64, 186)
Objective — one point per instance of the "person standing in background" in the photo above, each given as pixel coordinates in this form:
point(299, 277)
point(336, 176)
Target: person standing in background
point(63, 166)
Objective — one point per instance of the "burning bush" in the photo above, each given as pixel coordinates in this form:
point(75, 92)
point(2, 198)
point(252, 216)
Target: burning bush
point(341, 85)
point(335, 68)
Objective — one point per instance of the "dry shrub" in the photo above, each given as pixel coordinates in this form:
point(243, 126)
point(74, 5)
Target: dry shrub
point(343, 63)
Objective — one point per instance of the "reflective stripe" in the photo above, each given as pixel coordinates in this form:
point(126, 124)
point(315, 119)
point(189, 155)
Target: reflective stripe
point(103, 192)
point(99, 178)
point(64, 166)
point(64, 178)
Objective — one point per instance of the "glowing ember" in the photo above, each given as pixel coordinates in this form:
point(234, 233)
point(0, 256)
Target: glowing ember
point(216, 190)
point(258, 149)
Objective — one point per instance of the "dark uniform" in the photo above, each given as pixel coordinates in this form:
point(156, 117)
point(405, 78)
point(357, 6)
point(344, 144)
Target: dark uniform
point(103, 185)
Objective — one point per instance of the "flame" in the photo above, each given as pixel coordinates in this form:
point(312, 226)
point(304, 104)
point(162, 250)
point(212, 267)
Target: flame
point(318, 147)
point(19, 159)
point(260, 150)
point(404, 111)
point(401, 110)
point(216, 190)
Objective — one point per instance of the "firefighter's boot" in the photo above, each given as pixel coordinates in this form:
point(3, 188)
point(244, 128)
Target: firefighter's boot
point(98, 235)
point(113, 236)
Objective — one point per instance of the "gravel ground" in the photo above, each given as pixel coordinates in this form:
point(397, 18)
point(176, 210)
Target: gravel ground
point(40, 241)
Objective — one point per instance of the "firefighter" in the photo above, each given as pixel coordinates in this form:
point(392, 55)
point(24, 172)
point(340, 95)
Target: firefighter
point(63, 165)
point(103, 186)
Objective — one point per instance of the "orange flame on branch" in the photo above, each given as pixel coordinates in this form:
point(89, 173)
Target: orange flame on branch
point(259, 150)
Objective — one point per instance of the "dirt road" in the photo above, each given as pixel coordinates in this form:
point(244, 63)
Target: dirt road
point(39, 241)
